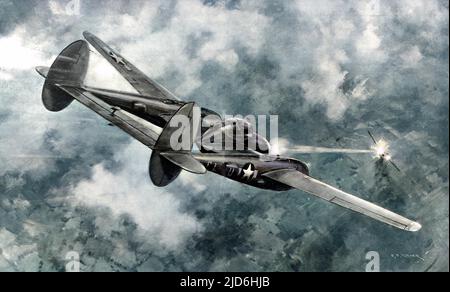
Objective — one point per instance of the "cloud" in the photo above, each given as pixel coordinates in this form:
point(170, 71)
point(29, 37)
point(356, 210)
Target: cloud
point(324, 47)
point(326, 87)
point(127, 190)
point(18, 52)
point(165, 50)
point(412, 56)
point(369, 42)
point(102, 74)
point(5, 76)
point(318, 49)
point(12, 252)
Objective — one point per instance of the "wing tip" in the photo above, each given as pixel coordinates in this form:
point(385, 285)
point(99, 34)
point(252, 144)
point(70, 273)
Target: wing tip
point(87, 34)
point(414, 227)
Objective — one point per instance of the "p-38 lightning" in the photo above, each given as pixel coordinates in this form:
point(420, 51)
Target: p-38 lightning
point(148, 116)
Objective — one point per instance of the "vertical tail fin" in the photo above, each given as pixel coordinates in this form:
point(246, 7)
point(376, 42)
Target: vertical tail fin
point(69, 68)
point(175, 138)
point(171, 153)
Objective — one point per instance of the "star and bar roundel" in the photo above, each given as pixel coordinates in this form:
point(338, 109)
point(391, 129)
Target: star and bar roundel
point(249, 171)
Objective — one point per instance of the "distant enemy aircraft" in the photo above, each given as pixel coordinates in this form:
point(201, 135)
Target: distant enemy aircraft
point(147, 117)
point(381, 149)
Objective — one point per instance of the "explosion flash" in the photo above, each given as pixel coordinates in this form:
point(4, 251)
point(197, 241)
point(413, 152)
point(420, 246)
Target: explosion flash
point(381, 150)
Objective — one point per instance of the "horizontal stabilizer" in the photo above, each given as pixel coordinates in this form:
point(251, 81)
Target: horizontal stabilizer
point(43, 71)
point(185, 161)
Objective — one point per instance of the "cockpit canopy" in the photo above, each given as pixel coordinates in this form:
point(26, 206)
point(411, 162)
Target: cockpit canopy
point(234, 135)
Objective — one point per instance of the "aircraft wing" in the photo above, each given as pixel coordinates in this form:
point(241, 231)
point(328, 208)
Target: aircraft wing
point(317, 188)
point(140, 129)
point(143, 84)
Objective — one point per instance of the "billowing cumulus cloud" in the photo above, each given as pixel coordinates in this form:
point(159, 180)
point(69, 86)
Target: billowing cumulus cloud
point(127, 191)
point(207, 29)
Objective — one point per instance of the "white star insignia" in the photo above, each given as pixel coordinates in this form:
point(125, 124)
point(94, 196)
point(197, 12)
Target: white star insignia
point(248, 173)
point(119, 60)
